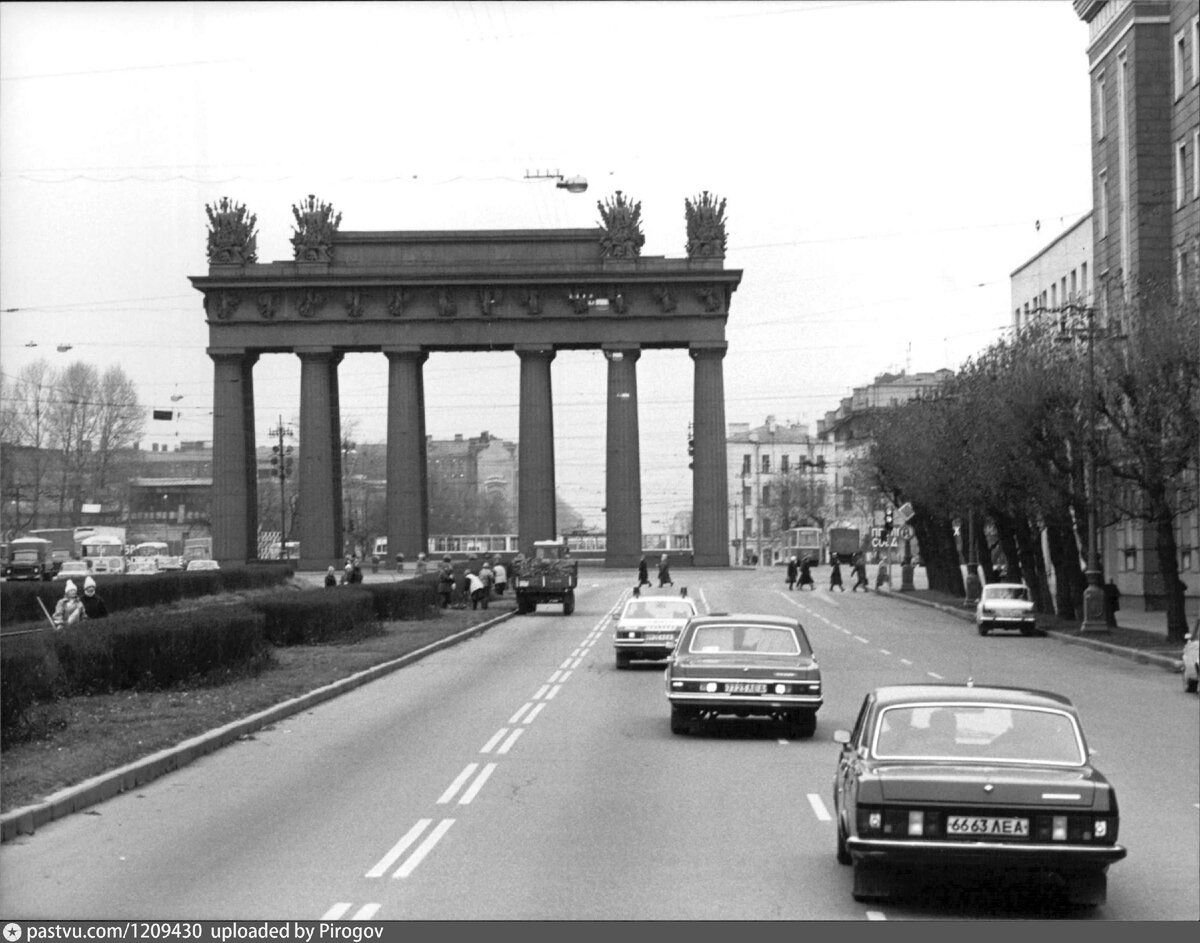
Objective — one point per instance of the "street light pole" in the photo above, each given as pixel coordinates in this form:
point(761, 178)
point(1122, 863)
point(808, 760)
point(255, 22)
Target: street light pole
point(1093, 595)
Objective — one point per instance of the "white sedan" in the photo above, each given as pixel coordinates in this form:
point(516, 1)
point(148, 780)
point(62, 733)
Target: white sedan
point(1005, 606)
point(649, 627)
point(194, 565)
point(73, 570)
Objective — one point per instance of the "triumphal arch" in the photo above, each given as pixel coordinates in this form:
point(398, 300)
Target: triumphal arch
point(407, 295)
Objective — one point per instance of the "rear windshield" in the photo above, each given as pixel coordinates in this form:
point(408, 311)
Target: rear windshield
point(658, 609)
point(983, 733)
point(747, 639)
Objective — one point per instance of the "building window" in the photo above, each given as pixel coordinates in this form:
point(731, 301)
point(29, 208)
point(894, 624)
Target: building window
point(1196, 50)
point(746, 496)
point(1180, 173)
point(1083, 283)
point(1196, 164)
point(766, 464)
point(766, 495)
point(1100, 106)
point(783, 464)
point(746, 467)
point(1185, 559)
point(1074, 285)
point(1129, 560)
point(1180, 64)
point(1182, 274)
point(1053, 296)
point(1102, 193)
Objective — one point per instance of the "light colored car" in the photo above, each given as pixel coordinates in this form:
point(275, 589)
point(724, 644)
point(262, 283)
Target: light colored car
point(649, 627)
point(1191, 657)
point(141, 566)
point(957, 782)
point(73, 570)
point(194, 565)
point(728, 665)
point(1005, 606)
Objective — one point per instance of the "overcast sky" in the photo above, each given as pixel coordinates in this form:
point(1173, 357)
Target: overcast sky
point(886, 166)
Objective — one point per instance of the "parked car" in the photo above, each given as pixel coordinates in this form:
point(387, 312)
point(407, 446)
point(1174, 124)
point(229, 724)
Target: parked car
point(73, 570)
point(744, 666)
point(649, 627)
point(1005, 606)
point(141, 566)
point(193, 565)
point(953, 779)
point(1191, 658)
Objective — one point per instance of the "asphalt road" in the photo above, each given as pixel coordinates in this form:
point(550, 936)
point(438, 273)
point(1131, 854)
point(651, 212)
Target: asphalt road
point(519, 775)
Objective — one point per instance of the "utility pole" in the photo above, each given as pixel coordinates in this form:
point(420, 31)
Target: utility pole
point(281, 459)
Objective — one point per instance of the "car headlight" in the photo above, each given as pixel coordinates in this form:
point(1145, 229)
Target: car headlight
point(711, 687)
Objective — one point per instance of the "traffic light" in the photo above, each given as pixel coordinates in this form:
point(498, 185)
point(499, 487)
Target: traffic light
point(887, 521)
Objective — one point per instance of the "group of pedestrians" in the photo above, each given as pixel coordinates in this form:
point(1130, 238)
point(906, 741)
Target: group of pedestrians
point(799, 573)
point(480, 579)
point(74, 608)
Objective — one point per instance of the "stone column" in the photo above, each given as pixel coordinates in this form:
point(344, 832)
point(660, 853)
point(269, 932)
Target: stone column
point(320, 461)
point(710, 494)
point(234, 472)
point(407, 514)
point(536, 509)
point(623, 481)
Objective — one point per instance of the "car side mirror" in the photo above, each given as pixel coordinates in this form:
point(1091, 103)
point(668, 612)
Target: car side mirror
point(842, 737)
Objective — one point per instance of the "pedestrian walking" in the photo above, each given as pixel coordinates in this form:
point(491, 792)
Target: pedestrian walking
point(500, 575)
point(488, 577)
point(69, 609)
point(475, 590)
point(806, 575)
point(93, 604)
point(835, 577)
point(330, 577)
point(793, 570)
point(643, 574)
point(445, 586)
point(860, 576)
point(664, 572)
point(400, 562)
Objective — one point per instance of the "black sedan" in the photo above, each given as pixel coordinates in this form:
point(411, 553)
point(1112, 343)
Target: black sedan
point(951, 779)
point(744, 666)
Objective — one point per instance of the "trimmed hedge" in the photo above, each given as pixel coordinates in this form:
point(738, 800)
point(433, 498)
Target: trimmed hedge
point(317, 615)
point(19, 598)
point(139, 650)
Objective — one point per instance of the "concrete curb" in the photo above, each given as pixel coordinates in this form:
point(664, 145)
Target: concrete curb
point(1145, 658)
point(26, 820)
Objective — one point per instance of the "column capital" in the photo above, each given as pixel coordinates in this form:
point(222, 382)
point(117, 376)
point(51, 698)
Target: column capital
point(534, 350)
point(708, 349)
point(406, 352)
point(617, 352)
point(239, 354)
point(318, 353)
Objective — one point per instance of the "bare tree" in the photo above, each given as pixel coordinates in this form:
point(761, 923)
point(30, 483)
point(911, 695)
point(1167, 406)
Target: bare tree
point(27, 424)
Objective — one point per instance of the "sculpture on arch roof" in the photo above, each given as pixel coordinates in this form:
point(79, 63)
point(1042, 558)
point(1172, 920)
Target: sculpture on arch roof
point(315, 225)
point(622, 224)
point(231, 235)
point(705, 227)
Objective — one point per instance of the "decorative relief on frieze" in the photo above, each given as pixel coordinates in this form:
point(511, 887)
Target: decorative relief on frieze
point(533, 301)
point(445, 304)
point(222, 304)
point(268, 304)
point(665, 298)
point(398, 302)
point(617, 300)
point(579, 300)
point(489, 300)
point(712, 297)
point(231, 236)
point(621, 222)
point(312, 240)
point(311, 301)
point(354, 304)
point(705, 227)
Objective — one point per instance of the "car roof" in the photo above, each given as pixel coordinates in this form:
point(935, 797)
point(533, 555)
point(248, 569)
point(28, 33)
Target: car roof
point(739, 617)
point(897, 694)
point(1005, 586)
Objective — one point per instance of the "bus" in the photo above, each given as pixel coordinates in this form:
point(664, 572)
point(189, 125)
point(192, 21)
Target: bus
point(158, 551)
point(104, 553)
point(803, 543)
point(197, 548)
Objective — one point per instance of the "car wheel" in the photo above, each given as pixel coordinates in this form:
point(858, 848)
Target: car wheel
point(679, 720)
point(569, 604)
point(805, 724)
point(983, 629)
point(1028, 630)
point(1190, 684)
point(871, 881)
point(622, 659)
point(843, 856)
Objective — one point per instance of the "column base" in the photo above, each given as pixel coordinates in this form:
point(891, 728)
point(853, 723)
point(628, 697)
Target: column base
point(1094, 619)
